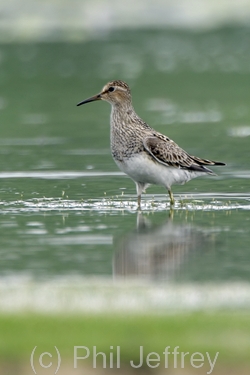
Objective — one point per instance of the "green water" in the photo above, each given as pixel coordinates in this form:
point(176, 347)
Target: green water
point(64, 207)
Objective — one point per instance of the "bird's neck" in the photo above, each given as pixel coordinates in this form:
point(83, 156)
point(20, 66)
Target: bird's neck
point(123, 114)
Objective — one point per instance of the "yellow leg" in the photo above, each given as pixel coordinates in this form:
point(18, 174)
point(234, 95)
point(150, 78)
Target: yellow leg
point(171, 197)
point(139, 202)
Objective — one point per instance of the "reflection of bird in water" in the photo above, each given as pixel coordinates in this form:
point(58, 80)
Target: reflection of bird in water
point(155, 251)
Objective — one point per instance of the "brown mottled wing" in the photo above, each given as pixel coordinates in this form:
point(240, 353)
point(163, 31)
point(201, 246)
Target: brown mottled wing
point(167, 152)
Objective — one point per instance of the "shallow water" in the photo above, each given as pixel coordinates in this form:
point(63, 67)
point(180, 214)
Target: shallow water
point(65, 209)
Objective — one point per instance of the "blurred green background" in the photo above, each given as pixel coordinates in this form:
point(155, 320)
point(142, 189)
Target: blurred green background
point(79, 265)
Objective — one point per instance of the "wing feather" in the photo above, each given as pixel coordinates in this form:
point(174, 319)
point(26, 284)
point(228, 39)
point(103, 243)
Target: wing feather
point(167, 152)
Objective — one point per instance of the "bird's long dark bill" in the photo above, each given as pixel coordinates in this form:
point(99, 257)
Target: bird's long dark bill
point(92, 99)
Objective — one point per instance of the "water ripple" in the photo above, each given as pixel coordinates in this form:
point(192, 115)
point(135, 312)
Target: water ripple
point(191, 202)
point(38, 141)
point(55, 175)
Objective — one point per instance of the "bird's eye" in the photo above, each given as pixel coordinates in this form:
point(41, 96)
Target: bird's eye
point(111, 89)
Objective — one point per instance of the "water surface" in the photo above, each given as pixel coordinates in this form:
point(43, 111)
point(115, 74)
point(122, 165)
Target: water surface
point(67, 213)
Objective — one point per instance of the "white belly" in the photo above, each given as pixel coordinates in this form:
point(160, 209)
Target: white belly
point(141, 168)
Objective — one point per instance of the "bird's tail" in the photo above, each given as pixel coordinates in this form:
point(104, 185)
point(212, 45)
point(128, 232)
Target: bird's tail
point(201, 164)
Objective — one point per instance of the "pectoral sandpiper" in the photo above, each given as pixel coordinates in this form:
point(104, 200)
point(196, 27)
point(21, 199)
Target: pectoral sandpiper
point(146, 156)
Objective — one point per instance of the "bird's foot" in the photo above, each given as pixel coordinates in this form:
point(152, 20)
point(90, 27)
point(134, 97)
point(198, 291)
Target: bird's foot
point(139, 203)
point(171, 213)
point(171, 196)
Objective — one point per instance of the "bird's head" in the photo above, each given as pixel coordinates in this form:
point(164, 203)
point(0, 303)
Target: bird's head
point(114, 92)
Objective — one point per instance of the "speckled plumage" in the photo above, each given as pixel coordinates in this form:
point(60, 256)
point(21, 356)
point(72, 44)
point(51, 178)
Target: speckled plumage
point(145, 155)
